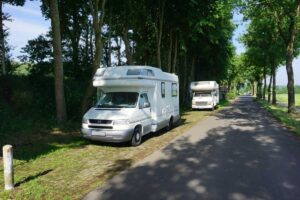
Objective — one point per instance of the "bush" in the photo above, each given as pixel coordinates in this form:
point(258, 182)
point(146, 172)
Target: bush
point(231, 95)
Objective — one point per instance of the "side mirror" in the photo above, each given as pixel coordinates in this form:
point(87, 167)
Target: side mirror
point(146, 105)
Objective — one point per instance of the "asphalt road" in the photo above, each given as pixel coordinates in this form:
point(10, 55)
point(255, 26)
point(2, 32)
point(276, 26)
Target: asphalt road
point(241, 153)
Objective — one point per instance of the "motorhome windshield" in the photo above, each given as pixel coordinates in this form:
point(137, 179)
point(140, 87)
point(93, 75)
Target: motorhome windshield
point(202, 94)
point(118, 100)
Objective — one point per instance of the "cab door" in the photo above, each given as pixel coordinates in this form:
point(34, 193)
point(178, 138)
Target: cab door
point(145, 113)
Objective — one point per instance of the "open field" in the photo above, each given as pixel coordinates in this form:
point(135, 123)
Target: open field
point(280, 113)
point(59, 164)
point(284, 98)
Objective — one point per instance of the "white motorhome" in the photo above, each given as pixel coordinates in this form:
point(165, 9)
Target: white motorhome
point(205, 94)
point(135, 101)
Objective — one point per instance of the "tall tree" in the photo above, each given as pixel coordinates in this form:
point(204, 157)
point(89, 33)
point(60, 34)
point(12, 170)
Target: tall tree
point(2, 33)
point(285, 15)
point(61, 112)
point(98, 14)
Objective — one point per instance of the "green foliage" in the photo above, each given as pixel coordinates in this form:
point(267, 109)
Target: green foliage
point(29, 102)
point(231, 95)
point(37, 51)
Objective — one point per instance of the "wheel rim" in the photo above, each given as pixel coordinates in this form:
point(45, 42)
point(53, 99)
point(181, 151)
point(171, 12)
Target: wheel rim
point(137, 136)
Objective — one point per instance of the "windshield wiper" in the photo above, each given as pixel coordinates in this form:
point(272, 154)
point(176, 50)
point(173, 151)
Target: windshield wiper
point(109, 106)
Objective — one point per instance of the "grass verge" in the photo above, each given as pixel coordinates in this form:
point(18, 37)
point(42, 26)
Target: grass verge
point(291, 120)
point(59, 164)
point(284, 98)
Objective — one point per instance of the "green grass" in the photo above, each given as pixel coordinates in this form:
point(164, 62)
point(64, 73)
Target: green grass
point(223, 103)
point(280, 113)
point(284, 98)
point(56, 163)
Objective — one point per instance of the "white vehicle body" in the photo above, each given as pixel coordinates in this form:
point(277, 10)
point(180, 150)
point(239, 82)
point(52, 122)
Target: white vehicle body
point(139, 96)
point(205, 94)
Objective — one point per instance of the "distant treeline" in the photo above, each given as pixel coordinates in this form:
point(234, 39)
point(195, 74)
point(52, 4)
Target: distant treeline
point(283, 89)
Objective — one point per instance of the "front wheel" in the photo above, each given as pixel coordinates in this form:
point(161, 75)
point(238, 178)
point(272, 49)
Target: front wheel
point(212, 108)
point(170, 125)
point(136, 139)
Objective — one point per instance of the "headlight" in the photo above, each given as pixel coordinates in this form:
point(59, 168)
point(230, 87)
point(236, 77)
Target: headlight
point(208, 103)
point(194, 103)
point(84, 120)
point(121, 122)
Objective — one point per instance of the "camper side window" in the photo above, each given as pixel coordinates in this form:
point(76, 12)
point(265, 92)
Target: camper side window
point(174, 89)
point(163, 89)
point(144, 102)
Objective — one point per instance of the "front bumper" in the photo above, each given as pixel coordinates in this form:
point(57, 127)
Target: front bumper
point(202, 107)
point(110, 135)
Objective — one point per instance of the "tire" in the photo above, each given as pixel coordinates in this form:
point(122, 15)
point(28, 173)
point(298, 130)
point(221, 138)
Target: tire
point(170, 125)
point(136, 139)
point(212, 108)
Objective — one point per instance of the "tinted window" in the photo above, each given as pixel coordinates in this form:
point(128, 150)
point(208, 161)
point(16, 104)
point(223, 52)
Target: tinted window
point(144, 99)
point(174, 89)
point(163, 89)
point(118, 100)
point(133, 72)
point(142, 72)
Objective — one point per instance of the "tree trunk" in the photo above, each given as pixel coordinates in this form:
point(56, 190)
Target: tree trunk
point(290, 75)
point(109, 39)
point(97, 25)
point(119, 43)
point(175, 55)
point(2, 41)
point(75, 35)
point(185, 78)
point(61, 113)
point(253, 88)
point(191, 78)
point(91, 42)
point(289, 59)
point(274, 101)
point(127, 46)
point(265, 84)
point(86, 48)
point(269, 89)
point(170, 53)
point(259, 89)
point(159, 31)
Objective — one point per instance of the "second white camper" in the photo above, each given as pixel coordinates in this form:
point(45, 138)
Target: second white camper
point(205, 94)
point(135, 101)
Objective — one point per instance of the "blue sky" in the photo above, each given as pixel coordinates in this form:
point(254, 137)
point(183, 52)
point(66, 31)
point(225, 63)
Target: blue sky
point(28, 22)
point(281, 73)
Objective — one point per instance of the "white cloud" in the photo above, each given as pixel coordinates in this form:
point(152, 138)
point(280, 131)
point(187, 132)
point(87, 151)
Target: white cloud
point(24, 10)
point(20, 31)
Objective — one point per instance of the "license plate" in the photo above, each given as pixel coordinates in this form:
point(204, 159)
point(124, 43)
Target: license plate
point(98, 133)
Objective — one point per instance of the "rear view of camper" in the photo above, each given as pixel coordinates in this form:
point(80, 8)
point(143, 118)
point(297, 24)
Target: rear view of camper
point(135, 101)
point(205, 94)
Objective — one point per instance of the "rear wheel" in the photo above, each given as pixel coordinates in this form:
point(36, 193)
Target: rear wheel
point(136, 137)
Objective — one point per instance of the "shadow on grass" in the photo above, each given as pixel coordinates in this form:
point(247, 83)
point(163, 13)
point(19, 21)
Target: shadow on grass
point(117, 167)
point(290, 120)
point(30, 178)
point(33, 144)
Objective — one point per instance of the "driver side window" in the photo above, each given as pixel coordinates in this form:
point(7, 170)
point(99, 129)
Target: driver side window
point(144, 102)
